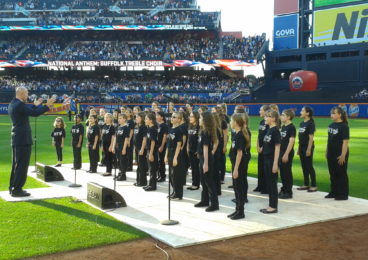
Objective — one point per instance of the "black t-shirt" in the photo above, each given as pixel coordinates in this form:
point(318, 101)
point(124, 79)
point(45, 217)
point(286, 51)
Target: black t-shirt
point(107, 132)
point(221, 137)
point(250, 138)
point(77, 131)
point(139, 133)
point(116, 123)
point(121, 133)
point(287, 131)
point(271, 139)
point(101, 122)
point(337, 133)
point(184, 130)
point(58, 135)
point(262, 130)
point(162, 130)
point(92, 132)
point(175, 135)
point(306, 129)
point(168, 119)
point(238, 143)
point(193, 138)
point(152, 135)
point(204, 139)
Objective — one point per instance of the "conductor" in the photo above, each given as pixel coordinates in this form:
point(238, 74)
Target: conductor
point(21, 139)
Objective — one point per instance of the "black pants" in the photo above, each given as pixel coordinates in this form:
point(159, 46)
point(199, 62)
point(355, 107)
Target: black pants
point(77, 154)
point(161, 164)
point(185, 164)
point(286, 173)
point(209, 192)
point(338, 176)
point(130, 150)
point(194, 164)
point(307, 167)
point(222, 166)
point(121, 160)
point(240, 185)
point(94, 157)
point(153, 168)
point(20, 163)
point(109, 157)
point(59, 152)
point(217, 172)
point(142, 168)
point(177, 184)
point(261, 174)
point(271, 180)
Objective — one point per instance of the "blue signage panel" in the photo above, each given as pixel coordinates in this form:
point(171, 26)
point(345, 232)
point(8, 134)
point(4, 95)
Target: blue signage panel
point(286, 32)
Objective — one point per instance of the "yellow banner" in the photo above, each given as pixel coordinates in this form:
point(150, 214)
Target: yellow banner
point(59, 109)
point(341, 25)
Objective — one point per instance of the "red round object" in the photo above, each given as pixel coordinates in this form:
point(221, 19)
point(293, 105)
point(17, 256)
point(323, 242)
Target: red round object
point(303, 80)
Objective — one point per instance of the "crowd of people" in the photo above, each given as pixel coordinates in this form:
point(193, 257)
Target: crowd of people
point(184, 138)
point(105, 91)
point(94, 4)
point(202, 49)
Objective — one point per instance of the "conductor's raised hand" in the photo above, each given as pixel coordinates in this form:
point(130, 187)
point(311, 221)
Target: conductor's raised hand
point(38, 101)
point(50, 102)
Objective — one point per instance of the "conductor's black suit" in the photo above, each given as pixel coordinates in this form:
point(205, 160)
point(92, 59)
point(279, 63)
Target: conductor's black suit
point(21, 140)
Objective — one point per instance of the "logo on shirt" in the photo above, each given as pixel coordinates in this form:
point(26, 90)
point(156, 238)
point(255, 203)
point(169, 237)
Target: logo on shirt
point(267, 138)
point(90, 131)
point(283, 134)
point(105, 131)
point(333, 131)
point(58, 133)
point(120, 132)
point(136, 131)
point(302, 130)
point(262, 127)
point(172, 136)
point(148, 135)
point(192, 132)
point(75, 131)
point(233, 144)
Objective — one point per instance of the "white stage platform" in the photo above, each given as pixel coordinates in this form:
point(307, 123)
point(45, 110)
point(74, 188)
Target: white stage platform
point(146, 210)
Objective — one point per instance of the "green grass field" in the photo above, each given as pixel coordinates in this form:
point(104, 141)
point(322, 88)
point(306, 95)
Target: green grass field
point(30, 229)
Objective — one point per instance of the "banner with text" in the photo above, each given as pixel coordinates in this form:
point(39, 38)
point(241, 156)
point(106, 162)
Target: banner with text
point(321, 3)
point(341, 25)
point(286, 32)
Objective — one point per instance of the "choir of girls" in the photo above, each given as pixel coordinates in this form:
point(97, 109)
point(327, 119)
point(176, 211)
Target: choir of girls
point(196, 140)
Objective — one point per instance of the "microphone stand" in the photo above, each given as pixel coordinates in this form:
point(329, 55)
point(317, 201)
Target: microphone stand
point(75, 185)
point(169, 222)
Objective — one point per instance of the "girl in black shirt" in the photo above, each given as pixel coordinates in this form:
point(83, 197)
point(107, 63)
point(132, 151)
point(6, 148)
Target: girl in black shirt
point(218, 153)
point(239, 163)
point(130, 149)
point(337, 154)
point(140, 142)
point(108, 143)
point(58, 137)
point(306, 148)
point(288, 133)
point(271, 152)
point(93, 137)
point(192, 149)
point(77, 142)
point(152, 148)
point(222, 142)
point(208, 143)
point(121, 144)
point(173, 157)
point(184, 128)
point(262, 130)
point(163, 130)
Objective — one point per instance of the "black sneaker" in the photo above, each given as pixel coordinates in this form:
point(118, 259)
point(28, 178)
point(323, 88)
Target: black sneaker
point(330, 196)
point(201, 204)
point(336, 198)
point(212, 208)
point(20, 193)
point(285, 196)
point(238, 215)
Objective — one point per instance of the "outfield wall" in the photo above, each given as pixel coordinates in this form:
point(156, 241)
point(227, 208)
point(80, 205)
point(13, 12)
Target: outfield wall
point(355, 110)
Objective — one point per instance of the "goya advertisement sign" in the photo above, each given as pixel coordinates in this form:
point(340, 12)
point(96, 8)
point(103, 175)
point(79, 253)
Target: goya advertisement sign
point(321, 3)
point(341, 25)
point(286, 30)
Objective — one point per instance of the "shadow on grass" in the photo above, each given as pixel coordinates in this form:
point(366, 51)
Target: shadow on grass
point(94, 218)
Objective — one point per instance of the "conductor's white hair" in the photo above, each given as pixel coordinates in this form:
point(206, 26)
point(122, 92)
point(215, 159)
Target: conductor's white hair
point(20, 90)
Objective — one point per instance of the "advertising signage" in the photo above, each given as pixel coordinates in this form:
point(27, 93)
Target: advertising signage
point(322, 3)
point(348, 24)
point(286, 7)
point(286, 30)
